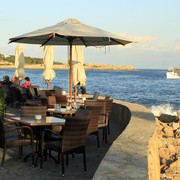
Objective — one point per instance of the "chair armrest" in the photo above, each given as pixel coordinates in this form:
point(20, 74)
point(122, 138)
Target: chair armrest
point(21, 127)
point(11, 123)
point(106, 116)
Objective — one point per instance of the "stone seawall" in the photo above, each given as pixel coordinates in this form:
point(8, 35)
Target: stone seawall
point(127, 158)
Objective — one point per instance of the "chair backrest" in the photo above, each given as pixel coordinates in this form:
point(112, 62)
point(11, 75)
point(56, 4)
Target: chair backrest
point(2, 133)
point(95, 96)
point(32, 92)
point(95, 116)
point(109, 105)
point(58, 89)
point(33, 102)
point(31, 111)
point(61, 99)
point(103, 108)
point(74, 133)
point(49, 92)
point(82, 113)
point(42, 93)
point(51, 101)
point(107, 97)
point(14, 93)
point(23, 90)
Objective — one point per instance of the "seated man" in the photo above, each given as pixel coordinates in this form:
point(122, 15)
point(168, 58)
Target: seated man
point(15, 82)
point(27, 82)
point(6, 81)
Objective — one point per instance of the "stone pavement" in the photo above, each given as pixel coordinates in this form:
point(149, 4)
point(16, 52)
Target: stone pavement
point(127, 158)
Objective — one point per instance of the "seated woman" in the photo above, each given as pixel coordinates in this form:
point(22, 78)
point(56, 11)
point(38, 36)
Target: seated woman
point(27, 82)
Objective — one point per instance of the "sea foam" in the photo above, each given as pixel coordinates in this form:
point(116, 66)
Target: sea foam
point(163, 109)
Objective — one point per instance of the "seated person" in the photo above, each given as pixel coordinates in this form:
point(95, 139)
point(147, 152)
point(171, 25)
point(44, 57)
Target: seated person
point(15, 82)
point(6, 81)
point(5, 84)
point(27, 82)
point(83, 90)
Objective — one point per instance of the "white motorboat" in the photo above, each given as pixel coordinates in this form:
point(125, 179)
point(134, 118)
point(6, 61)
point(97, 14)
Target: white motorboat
point(172, 74)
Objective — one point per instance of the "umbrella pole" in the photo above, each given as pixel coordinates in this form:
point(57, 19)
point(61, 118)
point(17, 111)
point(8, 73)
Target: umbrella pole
point(70, 42)
point(48, 85)
point(75, 93)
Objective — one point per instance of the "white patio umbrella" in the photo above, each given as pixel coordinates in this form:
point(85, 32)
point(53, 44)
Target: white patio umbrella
point(48, 59)
point(78, 72)
point(19, 62)
point(71, 32)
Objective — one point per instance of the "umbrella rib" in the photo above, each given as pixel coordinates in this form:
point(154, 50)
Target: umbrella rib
point(83, 41)
point(51, 36)
point(15, 40)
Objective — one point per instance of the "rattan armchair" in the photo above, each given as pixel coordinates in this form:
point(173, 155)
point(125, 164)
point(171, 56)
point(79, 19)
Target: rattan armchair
point(104, 119)
point(72, 141)
point(15, 140)
point(96, 109)
point(51, 101)
point(61, 99)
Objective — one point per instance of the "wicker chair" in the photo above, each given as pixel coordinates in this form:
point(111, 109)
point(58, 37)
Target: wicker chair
point(61, 99)
point(108, 110)
point(104, 121)
point(49, 92)
point(51, 101)
point(95, 97)
point(72, 141)
point(31, 111)
point(96, 109)
point(14, 140)
point(82, 113)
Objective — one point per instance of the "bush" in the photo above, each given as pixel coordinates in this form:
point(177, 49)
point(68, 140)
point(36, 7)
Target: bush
point(2, 102)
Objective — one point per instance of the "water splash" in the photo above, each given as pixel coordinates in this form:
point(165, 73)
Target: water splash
point(163, 109)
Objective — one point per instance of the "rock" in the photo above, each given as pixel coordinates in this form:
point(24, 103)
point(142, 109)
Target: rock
point(175, 125)
point(167, 118)
point(168, 130)
point(171, 149)
point(174, 167)
point(164, 153)
point(177, 133)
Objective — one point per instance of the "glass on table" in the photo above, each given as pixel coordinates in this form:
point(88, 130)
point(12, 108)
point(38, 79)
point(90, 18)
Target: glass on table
point(59, 106)
point(68, 108)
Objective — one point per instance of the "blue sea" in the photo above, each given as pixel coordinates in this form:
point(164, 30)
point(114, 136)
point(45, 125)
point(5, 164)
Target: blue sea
point(148, 87)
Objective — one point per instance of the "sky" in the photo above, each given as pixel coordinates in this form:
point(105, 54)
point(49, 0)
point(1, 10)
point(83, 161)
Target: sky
point(154, 24)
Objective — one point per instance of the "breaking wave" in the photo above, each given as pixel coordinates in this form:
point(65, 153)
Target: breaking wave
point(163, 109)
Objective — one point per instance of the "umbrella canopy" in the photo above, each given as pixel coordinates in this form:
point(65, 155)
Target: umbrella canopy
point(78, 72)
point(19, 62)
point(48, 59)
point(74, 31)
point(71, 32)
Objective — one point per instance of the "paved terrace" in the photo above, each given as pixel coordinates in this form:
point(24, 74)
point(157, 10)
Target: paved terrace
point(123, 157)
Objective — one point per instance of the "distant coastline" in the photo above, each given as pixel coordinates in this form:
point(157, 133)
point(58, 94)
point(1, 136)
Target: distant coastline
point(92, 66)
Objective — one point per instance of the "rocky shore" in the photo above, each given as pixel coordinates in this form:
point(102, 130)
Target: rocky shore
point(168, 128)
point(92, 66)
